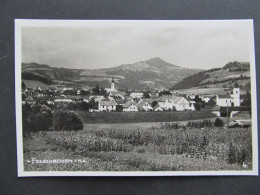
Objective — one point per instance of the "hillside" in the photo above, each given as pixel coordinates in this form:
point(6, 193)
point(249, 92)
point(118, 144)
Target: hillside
point(154, 73)
point(232, 73)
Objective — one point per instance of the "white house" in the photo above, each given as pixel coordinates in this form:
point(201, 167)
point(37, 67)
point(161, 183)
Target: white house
point(224, 100)
point(180, 103)
point(205, 99)
point(192, 105)
point(229, 100)
point(130, 107)
point(49, 102)
point(145, 105)
point(106, 106)
point(164, 103)
point(63, 101)
point(136, 95)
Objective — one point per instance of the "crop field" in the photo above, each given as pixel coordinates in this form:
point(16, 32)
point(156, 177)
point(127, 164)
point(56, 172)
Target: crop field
point(134, 117)
point(168, 147)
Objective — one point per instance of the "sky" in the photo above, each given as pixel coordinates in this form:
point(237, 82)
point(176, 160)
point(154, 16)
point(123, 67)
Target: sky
point(104, 47)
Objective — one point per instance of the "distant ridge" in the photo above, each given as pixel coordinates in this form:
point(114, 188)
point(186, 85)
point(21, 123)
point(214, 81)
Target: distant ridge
point(153, 73)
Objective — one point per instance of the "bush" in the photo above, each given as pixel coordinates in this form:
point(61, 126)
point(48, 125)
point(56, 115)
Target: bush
point(43, 119)
point(36, 118)
point(67, 120)
point(218, 123)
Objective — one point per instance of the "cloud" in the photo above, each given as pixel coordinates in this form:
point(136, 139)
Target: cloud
point(106, 47)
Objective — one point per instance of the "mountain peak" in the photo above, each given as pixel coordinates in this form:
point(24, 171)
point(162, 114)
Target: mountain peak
point(158, 62)
point(156, 58)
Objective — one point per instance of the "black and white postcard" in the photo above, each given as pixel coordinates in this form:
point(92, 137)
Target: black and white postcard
point(135, 98)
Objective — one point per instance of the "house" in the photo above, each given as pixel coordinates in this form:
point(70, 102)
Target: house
point(130, 107)
point(179, 103)
point(157, 108)
point(49, 102)
point(205, 99)
point(136, 95)
point(117, 95)
point(192, 105)
point(93, 110)
point(63, 101)
point(229, 100)
point(106, 106)
point(145, 106)
point(164, 103)
point(85, 100)
point(224, 100)
point(98, 98)
point(53, 89)
point(29, 100)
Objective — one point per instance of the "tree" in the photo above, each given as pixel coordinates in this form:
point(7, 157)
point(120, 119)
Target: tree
point(84, 92)
point(96, 90)
point(146, 95)
point(67, 120)
point(23, 86)
point(154, 103)
point(37, 118)
point(165, 93)
point(212, 101)
point(197, 106)
point(93, 104)
point(43, 119)
point(84, 106)
point(236, 85)
point(198, 102)
point(218, 123)
point(103, 92)
point(119, 108)
point(246, 99)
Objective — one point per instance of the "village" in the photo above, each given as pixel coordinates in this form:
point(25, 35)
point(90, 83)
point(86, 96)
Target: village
point(111, 99)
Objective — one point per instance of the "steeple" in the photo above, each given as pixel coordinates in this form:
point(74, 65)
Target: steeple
point(113, 84)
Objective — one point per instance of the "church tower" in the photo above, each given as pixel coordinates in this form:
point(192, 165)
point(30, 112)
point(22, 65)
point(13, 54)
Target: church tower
point(236, 96)
point(113, 85)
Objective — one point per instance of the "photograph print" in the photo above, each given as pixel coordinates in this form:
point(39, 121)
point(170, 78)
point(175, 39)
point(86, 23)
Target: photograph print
point(135, 98)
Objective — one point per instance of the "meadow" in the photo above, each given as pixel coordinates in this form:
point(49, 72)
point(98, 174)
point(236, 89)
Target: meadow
point(197, 146)
point(135, 117)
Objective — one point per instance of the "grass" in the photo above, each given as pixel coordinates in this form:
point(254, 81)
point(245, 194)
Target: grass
point(163, 148)
point(135, 117)
point(34, 84)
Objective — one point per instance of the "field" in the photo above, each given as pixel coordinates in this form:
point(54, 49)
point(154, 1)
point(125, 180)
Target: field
point(167, 147)
point(201, 90)
point(34, 84)
point(135, 117)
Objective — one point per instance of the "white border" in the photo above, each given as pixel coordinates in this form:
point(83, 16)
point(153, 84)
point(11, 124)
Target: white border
point(19, 23)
